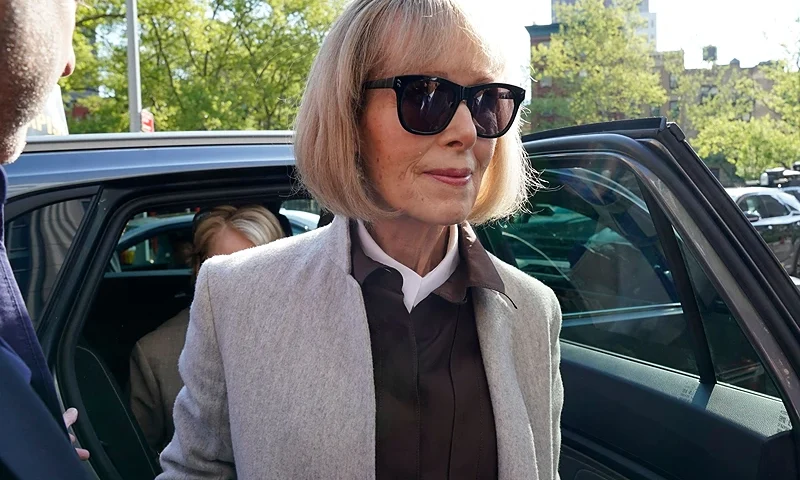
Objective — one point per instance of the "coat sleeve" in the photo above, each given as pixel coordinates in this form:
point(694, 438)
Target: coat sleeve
point(145, 399)
point(201, 447)
point(557, 386)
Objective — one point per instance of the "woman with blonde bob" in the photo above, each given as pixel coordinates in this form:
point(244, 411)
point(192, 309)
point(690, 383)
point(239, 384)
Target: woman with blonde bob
point(388, 344)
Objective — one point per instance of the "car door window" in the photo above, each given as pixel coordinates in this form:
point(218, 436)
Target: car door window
point(753, 205)
point(37, 243)
point(593, 242)
point(590, 237)
point(155, 242)
point(773, 207)
point(735, 360)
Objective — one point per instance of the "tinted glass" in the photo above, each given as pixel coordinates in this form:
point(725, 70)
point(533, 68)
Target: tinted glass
point(735, 360)
point(589, 236)
point(37, 244)
point(155, 242)
point(773, 207)
point(425, 106)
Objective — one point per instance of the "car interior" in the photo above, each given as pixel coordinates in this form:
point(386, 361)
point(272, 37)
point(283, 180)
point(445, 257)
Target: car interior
point(145, 285)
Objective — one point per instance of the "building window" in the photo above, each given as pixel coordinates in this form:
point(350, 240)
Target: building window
point(708, 92)
point(655, 110)
point(546, 82)
point(673, 81)
point(674, 109)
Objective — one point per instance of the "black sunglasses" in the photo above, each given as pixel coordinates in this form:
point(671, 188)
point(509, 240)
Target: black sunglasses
point(426, 105)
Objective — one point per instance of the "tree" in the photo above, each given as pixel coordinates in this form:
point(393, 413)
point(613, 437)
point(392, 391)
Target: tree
point(205, 64)
point(749, 117)
point(600, 66)
point(751, 145)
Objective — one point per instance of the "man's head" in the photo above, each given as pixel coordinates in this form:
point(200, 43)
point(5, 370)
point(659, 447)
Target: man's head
point(35, 50)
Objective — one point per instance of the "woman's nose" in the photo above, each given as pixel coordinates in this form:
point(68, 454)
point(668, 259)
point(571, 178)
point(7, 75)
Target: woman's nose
point(461, 128)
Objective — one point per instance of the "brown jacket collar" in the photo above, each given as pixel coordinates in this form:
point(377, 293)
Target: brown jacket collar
point(474, 270)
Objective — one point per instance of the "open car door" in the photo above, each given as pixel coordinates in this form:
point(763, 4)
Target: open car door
point(680, 340)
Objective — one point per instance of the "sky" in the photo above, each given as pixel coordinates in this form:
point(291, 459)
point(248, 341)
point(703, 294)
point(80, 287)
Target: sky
point(751, 31)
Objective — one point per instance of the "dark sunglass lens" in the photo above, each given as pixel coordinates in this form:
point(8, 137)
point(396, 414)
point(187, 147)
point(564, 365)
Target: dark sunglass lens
point(492, 110)
point(427, 105)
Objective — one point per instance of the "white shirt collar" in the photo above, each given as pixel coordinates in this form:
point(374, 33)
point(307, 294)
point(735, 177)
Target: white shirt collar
point(415, 287)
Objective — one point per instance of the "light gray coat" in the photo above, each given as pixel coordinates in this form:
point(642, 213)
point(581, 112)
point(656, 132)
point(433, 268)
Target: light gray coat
point(278, 368)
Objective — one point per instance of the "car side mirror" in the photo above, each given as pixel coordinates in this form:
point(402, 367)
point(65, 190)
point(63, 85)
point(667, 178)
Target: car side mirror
point(753, 217)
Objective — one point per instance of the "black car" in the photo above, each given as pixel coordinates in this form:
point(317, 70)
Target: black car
point(681, 335)
point(776, 215)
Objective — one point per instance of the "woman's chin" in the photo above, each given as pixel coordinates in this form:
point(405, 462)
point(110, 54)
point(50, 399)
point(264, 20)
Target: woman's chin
point(441, 214)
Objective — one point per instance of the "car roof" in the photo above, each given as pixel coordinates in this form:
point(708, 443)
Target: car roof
point(739, 192)
point(49, 162)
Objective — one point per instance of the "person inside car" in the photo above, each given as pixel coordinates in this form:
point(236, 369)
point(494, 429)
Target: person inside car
point(389, 343)
point(35, 51)
point(154, 377)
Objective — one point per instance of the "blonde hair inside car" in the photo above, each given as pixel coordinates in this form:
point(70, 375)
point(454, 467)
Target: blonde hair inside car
point(254, 222)
point(392, 38)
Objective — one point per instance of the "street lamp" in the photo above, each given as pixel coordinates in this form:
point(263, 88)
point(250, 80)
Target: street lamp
point(134, 79)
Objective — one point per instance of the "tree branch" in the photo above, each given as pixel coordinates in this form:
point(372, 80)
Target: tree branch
point(189, 50)
point(100, 16)
point(160, 48)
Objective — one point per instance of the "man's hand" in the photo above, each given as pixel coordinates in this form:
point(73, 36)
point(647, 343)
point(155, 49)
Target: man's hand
point(70, 417)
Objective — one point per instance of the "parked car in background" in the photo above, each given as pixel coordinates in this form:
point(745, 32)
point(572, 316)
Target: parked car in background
point(792, 190)
point(776, 215)
point(680, 344)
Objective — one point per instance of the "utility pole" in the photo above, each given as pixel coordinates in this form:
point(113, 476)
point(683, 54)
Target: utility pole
point(134, 78)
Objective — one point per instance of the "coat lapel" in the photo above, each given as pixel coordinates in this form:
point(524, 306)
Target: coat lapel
point(515, 444)
point(350, 299)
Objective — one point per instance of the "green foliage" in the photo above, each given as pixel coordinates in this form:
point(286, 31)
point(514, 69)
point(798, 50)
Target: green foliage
point(751, 145)
point(749, 117)
point(205, 64)
point(599, 62)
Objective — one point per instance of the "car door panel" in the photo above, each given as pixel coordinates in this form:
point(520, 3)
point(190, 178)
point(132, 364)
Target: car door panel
point(687, 430)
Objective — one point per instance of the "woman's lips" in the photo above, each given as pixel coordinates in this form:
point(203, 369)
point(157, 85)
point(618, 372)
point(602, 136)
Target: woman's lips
point(457, 177)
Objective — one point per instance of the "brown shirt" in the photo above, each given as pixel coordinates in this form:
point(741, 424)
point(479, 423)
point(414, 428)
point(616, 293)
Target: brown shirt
point(434, 414)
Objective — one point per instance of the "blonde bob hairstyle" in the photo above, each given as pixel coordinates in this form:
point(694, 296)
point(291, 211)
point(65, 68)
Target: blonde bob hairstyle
point(255, 222)
point(375, 39)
